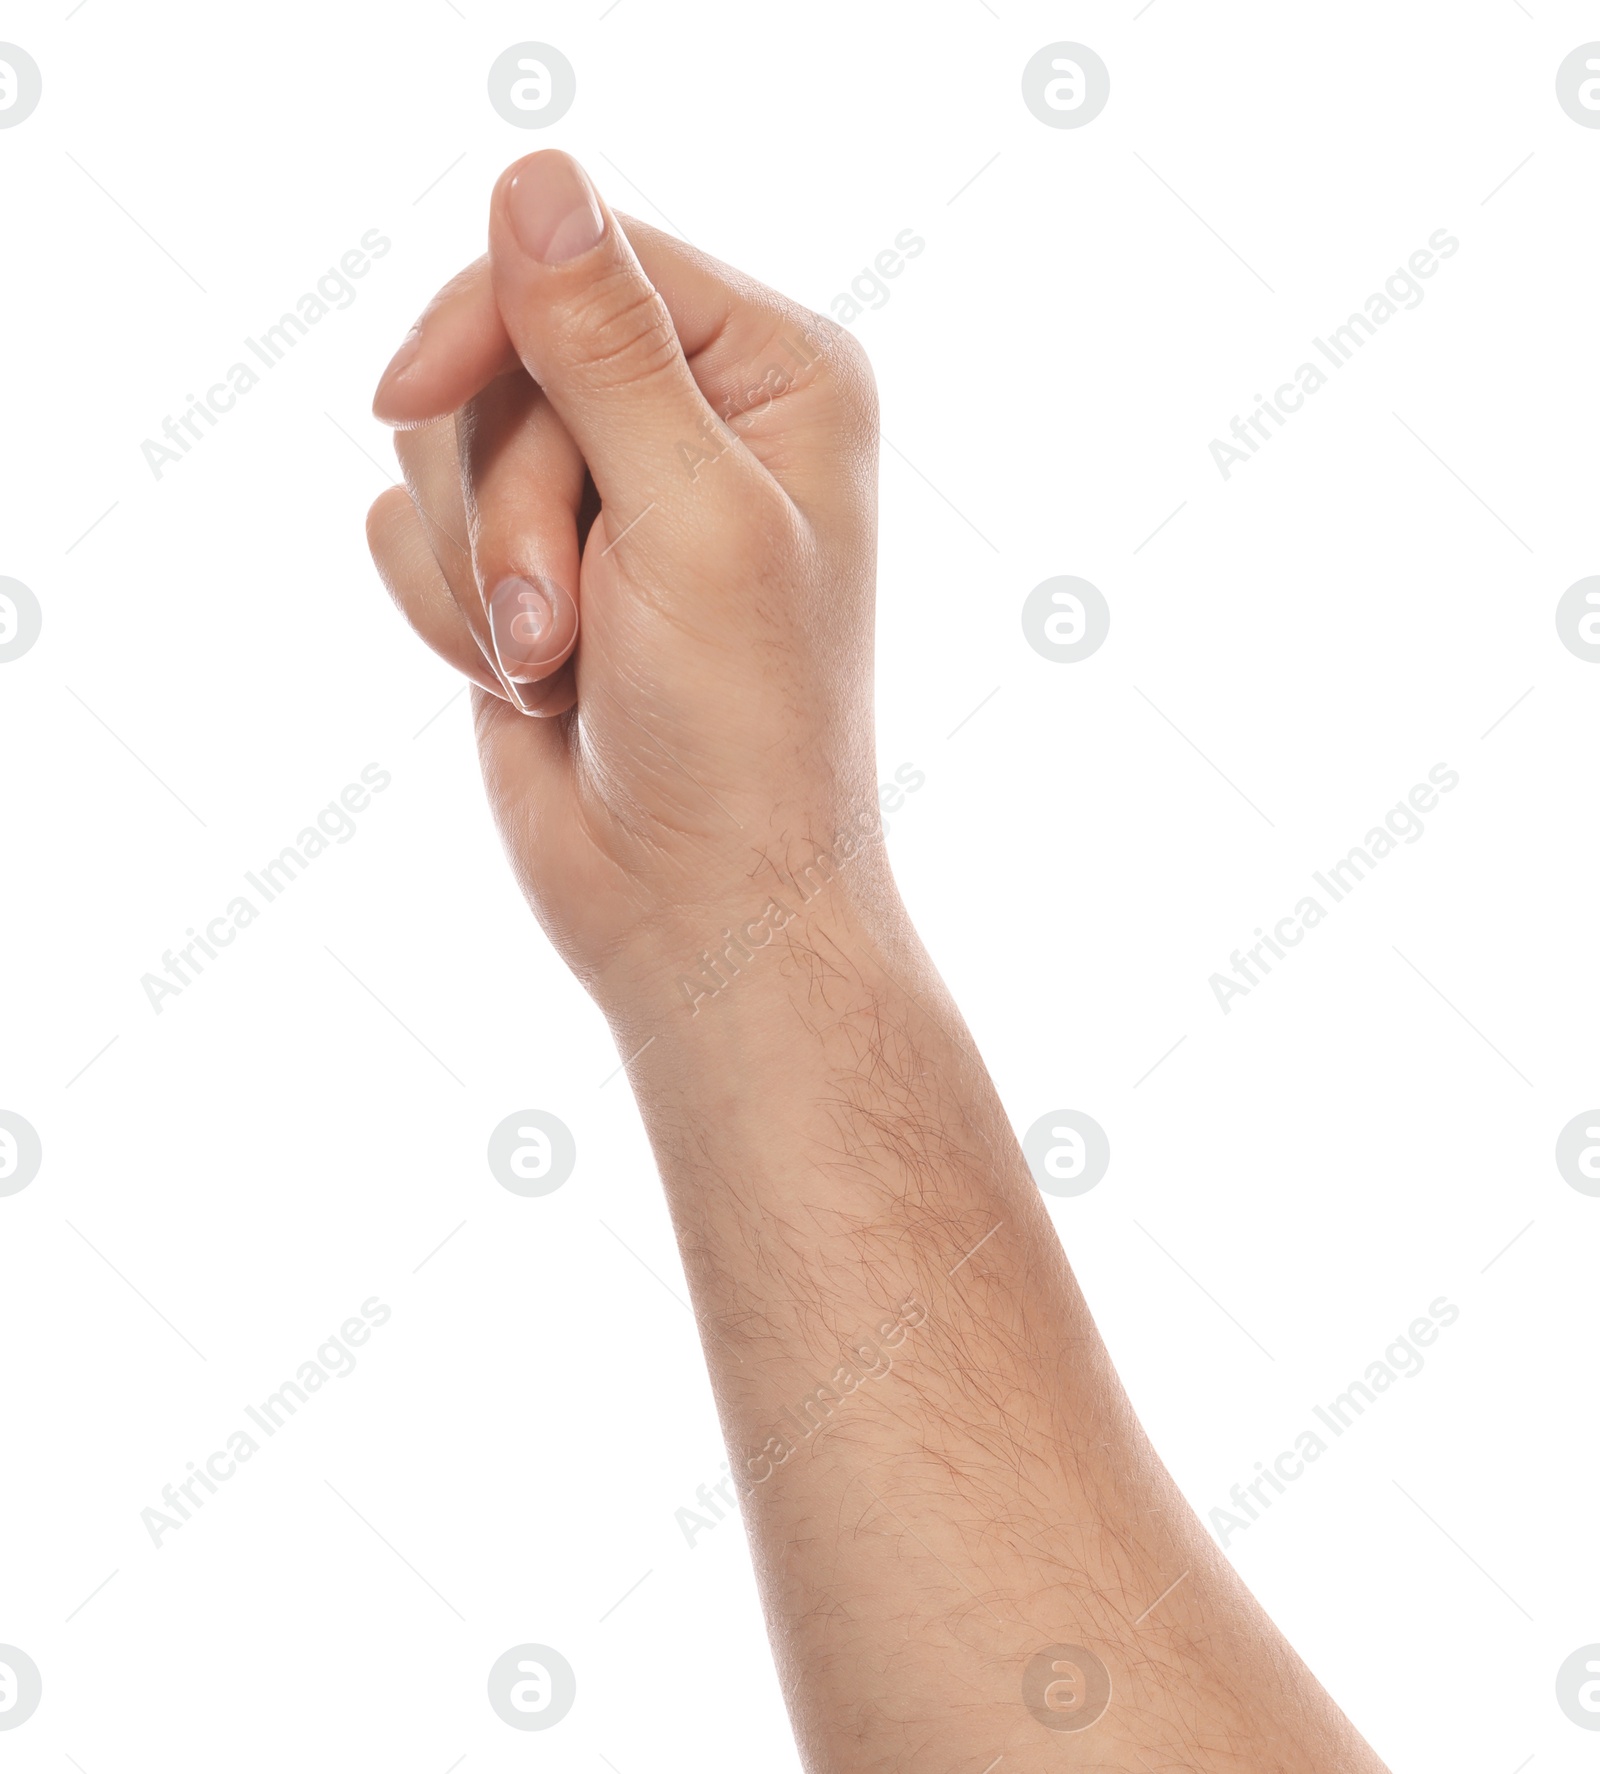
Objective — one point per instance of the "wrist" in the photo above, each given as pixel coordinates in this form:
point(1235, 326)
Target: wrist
point(764, 906)
point(710, 974)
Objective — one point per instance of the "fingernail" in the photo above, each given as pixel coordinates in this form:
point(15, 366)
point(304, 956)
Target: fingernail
point(555, 214)
point(532, 623)
point(534, 699)
point(410, 345)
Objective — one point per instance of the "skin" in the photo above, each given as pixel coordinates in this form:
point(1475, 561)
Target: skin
point(938, 1469)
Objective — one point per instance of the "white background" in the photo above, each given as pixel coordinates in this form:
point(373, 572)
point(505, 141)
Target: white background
point(1366, 1132)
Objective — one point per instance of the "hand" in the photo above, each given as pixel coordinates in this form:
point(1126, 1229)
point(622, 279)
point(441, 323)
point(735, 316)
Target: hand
point(710, 733)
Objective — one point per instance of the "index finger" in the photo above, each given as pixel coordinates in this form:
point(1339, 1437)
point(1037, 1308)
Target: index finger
point(458, 346)
point(728, 324)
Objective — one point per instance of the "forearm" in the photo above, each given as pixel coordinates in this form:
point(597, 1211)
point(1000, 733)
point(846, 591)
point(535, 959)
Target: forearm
point(938, 1468)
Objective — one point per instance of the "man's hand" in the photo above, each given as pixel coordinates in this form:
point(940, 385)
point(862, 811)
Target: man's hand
point(972, 1561)
point(723, 678)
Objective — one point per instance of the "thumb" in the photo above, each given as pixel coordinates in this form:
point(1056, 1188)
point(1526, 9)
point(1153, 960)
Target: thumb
point(593, 331)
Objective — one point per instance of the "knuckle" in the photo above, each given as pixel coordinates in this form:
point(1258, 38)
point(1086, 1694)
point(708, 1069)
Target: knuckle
point(619, 335)
point(851, 369)
point(840, 369)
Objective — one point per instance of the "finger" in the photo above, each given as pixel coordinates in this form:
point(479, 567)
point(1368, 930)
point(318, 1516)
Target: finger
point(523, 481)
point(457, 346)
point(744, 342)
point(594, 333)
point(411, 575)
point(778, 375)
point(527, 443)
point(405, 561)
point(553, 695)
point(429, 462)
point(526, 769)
